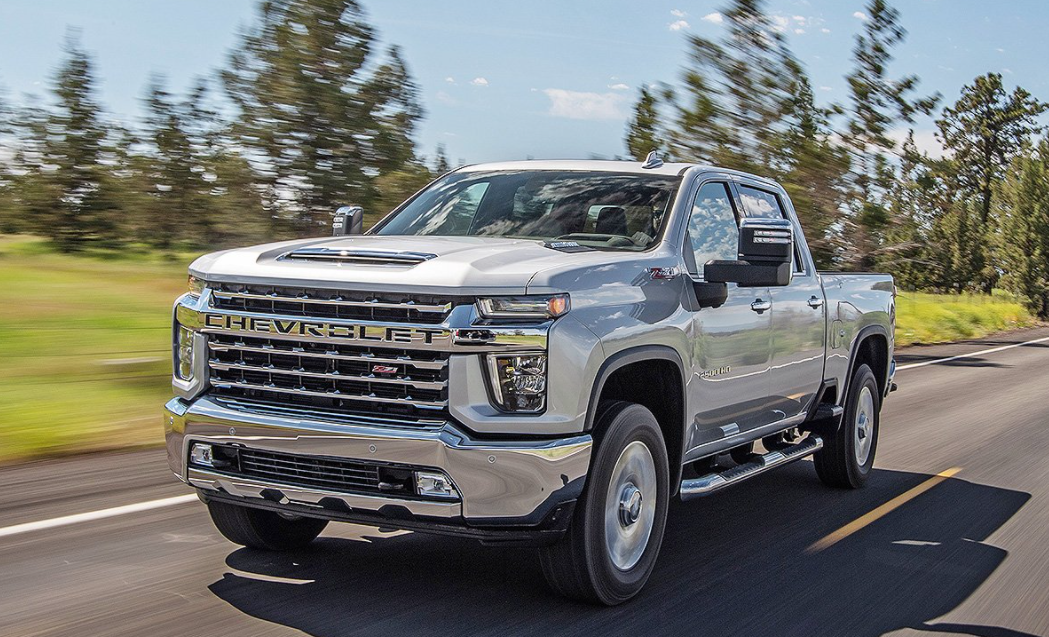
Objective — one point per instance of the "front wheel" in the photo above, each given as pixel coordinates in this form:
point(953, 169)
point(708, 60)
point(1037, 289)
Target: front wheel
point(261, 529)
point(610, 548)
point(847, 456)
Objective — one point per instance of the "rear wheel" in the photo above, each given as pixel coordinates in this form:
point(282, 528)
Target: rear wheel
point(610, 548)
point(261, 529)
point(848, 456)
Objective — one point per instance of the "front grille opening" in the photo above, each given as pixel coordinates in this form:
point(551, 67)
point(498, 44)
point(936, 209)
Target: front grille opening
point(314, 472)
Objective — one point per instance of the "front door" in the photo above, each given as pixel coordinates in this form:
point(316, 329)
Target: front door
point(731, 344)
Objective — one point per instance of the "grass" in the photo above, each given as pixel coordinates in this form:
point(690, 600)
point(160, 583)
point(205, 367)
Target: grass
point(85, 358)
point(940, 318)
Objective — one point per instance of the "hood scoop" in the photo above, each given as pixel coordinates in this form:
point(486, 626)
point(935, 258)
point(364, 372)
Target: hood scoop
point(357, 257)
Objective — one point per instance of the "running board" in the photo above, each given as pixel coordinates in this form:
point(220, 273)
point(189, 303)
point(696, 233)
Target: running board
point(705, 485)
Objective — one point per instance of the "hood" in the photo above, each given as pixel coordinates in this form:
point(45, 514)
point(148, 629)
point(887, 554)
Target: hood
point(422, 264)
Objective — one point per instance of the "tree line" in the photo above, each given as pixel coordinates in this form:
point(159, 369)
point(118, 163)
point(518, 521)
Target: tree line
point(308, 114)
point(975, 219)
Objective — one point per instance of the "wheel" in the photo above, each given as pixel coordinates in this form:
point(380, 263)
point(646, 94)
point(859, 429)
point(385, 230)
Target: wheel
point(610, 548)
point(261, 529)
point(848, 456)
point(742, 454)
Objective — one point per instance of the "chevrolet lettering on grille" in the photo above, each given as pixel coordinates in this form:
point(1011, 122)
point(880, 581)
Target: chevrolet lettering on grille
point(321, 329)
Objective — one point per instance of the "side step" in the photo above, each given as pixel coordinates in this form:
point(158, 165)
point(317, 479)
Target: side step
point(705, 485)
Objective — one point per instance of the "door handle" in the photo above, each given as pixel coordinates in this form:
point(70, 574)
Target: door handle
point(815, 302)
point(760, 306)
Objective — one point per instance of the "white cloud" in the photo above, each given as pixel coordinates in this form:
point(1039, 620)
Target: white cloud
point(713, 18)
point(450, 80)
point(678, 13)
point(1000, 50)
point(445, 98)
point(924, 140)
point(780, 23)
point(799, 31)
point(619, 87)
point(859, 15)
point(826, 88)
point(824, 30)
point(582, 105)
point(479, 81)
point(1007, 71)
point(677, 26)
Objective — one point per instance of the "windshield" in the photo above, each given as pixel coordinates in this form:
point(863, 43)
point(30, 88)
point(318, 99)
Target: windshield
point(602, 210)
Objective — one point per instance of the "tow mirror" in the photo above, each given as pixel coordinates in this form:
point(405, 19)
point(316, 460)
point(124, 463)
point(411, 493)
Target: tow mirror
point(348, 220)
point(766, 255)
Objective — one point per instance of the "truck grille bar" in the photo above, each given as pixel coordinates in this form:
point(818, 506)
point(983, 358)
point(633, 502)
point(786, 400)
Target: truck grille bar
point(317, 303)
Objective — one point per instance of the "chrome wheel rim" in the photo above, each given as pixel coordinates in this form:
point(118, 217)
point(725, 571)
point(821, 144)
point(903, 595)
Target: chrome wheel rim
point(863, 431)
point(630, 506)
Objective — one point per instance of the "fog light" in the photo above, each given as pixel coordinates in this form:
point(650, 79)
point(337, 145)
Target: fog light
point(431, 484)
point(184, 353)
point(518, 382)
point(201, 454)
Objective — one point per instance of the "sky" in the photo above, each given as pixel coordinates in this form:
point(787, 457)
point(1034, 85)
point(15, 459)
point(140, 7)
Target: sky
point(507, 80)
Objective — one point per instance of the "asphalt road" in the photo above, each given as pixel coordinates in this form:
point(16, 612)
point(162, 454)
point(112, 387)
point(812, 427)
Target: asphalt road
point(969, 556)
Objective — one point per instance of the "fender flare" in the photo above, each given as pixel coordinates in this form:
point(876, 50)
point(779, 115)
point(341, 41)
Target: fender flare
point(862, 336)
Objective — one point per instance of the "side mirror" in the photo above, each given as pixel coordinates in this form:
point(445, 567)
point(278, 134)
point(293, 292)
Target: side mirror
point(348, 220)
point(766, 255)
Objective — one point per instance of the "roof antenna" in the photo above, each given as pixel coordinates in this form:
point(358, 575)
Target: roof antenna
point(653, 160)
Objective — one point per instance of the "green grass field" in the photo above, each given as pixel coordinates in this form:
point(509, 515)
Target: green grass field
point(84, 344)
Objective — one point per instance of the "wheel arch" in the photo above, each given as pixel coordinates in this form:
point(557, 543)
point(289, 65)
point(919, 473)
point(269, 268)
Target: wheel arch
point(871, 346)
point(663, 394)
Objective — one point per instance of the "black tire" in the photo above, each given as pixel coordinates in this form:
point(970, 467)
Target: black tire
point(261, 529)
point(838, 464)
point(580, 566)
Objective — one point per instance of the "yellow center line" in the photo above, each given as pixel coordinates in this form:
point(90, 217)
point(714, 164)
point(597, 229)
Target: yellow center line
point(880, 512)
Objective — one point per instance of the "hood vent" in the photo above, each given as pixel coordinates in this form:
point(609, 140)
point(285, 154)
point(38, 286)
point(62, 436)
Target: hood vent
point(357, 257)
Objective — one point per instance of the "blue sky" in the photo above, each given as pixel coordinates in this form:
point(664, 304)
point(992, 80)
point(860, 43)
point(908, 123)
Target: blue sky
point(508, 80)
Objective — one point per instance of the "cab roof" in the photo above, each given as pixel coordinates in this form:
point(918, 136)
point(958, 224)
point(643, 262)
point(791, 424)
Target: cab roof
point(603, 165)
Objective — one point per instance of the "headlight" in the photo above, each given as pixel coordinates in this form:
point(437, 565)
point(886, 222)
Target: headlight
point(535, 307)
point(196, 285)
point(184, 353)
point(518, 381)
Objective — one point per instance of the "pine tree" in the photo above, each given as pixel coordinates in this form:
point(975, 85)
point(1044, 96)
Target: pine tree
point(441, 164)
point(319, 122)
point(643, 134)
point(877, 105)
point(1024, 249)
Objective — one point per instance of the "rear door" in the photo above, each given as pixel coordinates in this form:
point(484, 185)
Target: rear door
point(731, 344)
point(798, 314)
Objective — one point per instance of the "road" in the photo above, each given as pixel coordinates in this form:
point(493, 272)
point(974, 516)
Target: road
point(968, 556)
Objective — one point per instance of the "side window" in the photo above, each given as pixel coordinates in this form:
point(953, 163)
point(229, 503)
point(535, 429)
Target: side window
point(712, 227)
point(764, 204)
point(758, 203)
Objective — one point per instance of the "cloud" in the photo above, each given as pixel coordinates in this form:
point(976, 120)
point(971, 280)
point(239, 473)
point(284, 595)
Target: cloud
point(479, 81)
point(450, 80)
point(824, 30)
point(678, 13)
point(713, 18)
point(826, 88)
point(780, 23)
point(1007, 71)
point(799, 31)
point(582, 105)
point(619, 87)
point(445, 98)
point(924, 140)
point(859, 15)
point(677, 26)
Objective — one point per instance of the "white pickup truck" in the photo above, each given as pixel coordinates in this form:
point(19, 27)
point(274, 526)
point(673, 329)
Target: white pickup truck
point(534, 353)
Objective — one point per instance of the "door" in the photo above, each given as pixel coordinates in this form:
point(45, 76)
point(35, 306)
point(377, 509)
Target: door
point(731, 344)
point(798, 318)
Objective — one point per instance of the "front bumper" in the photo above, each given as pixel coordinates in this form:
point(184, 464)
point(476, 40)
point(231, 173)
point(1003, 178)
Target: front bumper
point(502, 484)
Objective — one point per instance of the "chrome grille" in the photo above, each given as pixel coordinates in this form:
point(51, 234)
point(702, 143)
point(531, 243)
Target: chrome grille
point(326, 378)
point(317, 304)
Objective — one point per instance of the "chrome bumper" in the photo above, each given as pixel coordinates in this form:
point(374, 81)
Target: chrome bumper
point(516, 482)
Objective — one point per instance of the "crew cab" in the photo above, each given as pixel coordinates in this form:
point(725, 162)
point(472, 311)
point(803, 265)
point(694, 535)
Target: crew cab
point(535, 353)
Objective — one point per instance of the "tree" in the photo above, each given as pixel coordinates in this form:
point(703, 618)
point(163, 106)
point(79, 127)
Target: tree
point(1024, 248)
point(643, 130)
point(877, 105)
point(320, 118)
point(67, 186)
point(441, 164)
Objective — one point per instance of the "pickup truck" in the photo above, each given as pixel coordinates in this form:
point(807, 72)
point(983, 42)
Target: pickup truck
point(537, 353)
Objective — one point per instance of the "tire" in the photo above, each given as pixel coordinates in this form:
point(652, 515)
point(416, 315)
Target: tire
point(848, 456)
point(261, 529)
point(611, 545)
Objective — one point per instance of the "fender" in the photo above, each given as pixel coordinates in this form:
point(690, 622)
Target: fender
point(861, 336)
